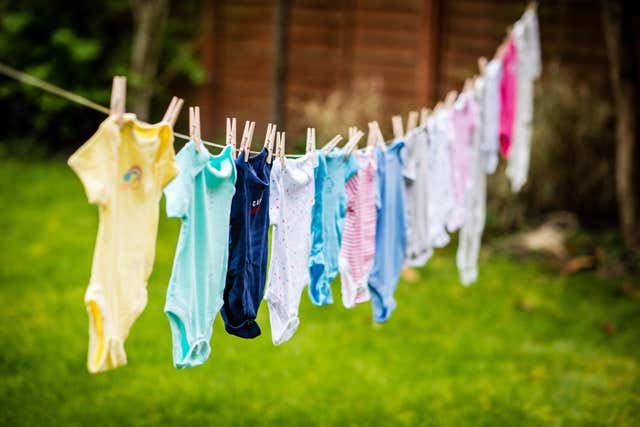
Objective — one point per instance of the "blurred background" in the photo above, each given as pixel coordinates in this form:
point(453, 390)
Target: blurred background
point(332, 64)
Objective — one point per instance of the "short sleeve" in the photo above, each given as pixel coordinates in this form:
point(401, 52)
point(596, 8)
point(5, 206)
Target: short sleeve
point(275, 198)
point(167, 168)
point(409, 159)
point(377, 180)
point(352, 167)
point(92, 162)
point(177, 192)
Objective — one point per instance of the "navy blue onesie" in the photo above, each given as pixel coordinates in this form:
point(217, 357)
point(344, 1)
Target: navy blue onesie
point(248, 246)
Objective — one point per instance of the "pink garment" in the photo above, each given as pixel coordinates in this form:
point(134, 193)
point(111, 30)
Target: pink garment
point(359, 236)
point(465, 119)
point(508, 96)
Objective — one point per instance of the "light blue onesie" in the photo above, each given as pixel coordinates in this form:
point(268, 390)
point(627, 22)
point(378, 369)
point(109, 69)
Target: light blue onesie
point(201, 197)
point(391, 234)
point(327, 223)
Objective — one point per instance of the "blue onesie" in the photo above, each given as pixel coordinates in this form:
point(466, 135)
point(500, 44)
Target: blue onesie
point(391, 237)
point(248, 246)
point(201, 197)
point(327, 221)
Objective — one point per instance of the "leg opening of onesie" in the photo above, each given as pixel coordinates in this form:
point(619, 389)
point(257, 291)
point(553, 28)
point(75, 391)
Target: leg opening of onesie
point(286, 332)
point(316, 287)
point(97, 332)
point(381, 310)
point(185, 354)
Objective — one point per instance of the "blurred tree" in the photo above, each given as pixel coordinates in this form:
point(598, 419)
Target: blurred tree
point(80, 46)
point(621, 31)
point(150, 20)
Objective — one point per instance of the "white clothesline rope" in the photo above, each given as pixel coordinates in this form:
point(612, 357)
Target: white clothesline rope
point(81, 100)
point(25, 78)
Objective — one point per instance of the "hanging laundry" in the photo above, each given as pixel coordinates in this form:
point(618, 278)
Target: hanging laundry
point(470, 235)
point(391, 238)
point(123, 170)
point(490, 115)
point(201, 197)
point(416, 187)
point(328, 220)
point(464, 118)
point(440, 185)
point(359, 238)
point(527, 41)
point(508, 94)
point(248, 246)
point(291, 199)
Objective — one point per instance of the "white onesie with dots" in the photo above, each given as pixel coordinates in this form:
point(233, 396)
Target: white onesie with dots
point(290, 201)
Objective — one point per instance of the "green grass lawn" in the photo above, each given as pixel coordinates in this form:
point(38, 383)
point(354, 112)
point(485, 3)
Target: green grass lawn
point(449, 355)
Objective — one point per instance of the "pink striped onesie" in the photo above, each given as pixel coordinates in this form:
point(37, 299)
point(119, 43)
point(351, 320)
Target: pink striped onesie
point(359, 236)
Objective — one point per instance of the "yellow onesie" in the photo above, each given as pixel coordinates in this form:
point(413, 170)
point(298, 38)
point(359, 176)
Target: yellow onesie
point(123, 170)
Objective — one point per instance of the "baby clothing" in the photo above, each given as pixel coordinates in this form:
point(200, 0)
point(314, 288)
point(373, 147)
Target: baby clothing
point(201, 197)
point(359, 238)
point(527, 41)
point(333, 203)
point(440, 185)
point(490, 115)
point(475, 202)
point(391, 238)
point(465, 116)
point(123, 170)
point(416, 186)
point(290, 202)
point(508, 90)
point(248, 246)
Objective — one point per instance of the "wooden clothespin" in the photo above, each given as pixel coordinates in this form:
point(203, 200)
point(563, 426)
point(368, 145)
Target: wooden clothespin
point(424, 115)
point(378, 132)
point(396, 122)
point(118, 98)
point(194, 126)
point(280, 143)
point(172, 104)
point(355, 137)
point(352, 132)
point(231, 135)
point(371, 138)
point(468, 85)
point(450, 98)
point(269, 139)
point(412, 120)
point(247, 137)
point(482, 64)
point(331, 144)
point(533, 6)
point(173, 110)
point(311, 140)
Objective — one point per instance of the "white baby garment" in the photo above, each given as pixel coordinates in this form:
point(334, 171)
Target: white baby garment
point(527, 40)
point(440, 184)
point(416, 201)
point(290, 201)
point(470, 235)
point(490, 115)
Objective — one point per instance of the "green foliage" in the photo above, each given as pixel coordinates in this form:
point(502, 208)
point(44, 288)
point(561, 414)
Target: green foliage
point(78, 46)
point(522, 346)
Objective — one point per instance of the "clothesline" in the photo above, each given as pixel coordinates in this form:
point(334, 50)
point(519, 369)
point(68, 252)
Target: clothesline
point(31, 80)
point(23, 77)
point(363, 214)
